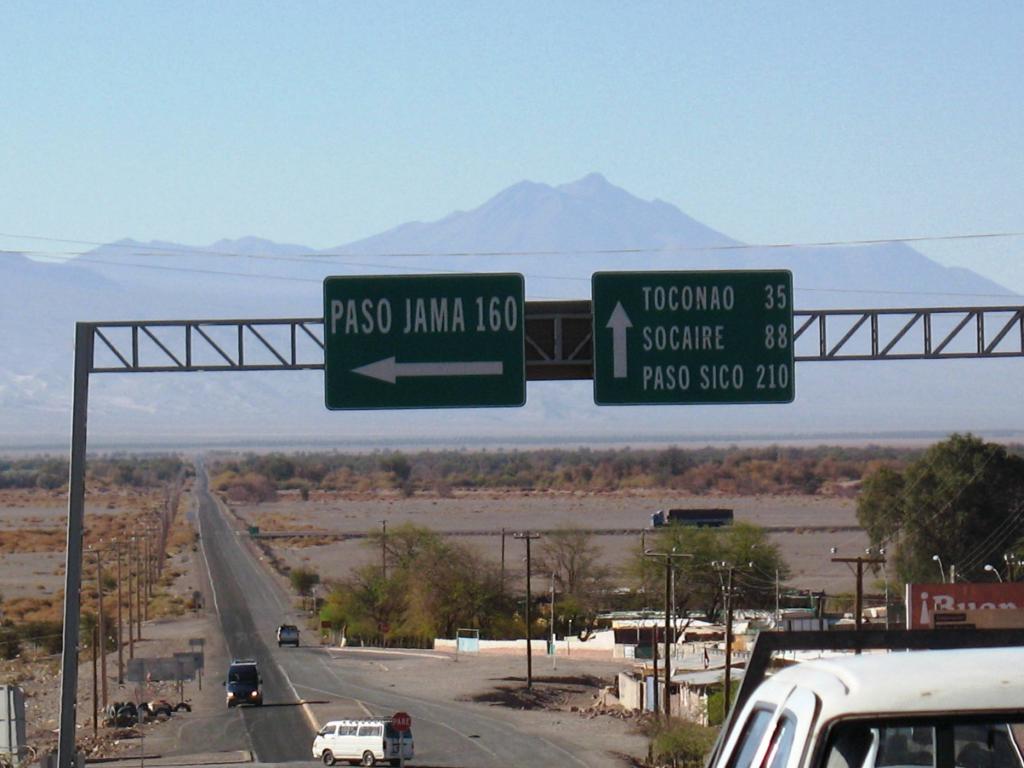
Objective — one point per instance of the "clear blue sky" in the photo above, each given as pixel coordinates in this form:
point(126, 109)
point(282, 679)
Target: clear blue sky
point(320, 123)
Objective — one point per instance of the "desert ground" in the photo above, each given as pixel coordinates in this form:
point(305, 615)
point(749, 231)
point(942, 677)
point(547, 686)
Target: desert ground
point(807, 526)
point(32, 542)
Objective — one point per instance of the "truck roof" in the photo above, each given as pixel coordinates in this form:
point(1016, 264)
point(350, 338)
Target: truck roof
point(907, 683)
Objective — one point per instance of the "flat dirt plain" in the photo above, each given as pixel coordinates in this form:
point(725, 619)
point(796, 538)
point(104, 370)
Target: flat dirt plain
point(804, 527)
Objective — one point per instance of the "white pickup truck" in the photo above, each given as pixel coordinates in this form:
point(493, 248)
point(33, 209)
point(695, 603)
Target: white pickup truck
point(960, 708)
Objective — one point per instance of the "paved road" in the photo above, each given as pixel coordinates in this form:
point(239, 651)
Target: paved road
point(447, 733)
point(338, 683)
point(250, 606)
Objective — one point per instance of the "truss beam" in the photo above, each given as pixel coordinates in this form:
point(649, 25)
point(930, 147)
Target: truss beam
point(559, 343)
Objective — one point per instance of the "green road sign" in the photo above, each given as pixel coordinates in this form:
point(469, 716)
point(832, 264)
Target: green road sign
point(424, 341)
point(693, 337)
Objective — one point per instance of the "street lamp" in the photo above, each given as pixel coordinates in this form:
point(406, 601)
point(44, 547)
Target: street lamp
point(942, 570)
point(992, 569)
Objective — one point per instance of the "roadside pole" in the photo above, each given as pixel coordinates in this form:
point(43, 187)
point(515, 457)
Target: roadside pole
point(131, 609)
point(120, 620)
point(73, 571)
point(728, 643)
point(860, 562)
point(138, 586)
point(554, 653)
point(527, 536)
point(102, 628)
point(669, 582)
point(95, 686)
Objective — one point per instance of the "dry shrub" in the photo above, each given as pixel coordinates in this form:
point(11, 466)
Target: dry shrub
point(249, 487)
point(33, 540)
point(28, 609)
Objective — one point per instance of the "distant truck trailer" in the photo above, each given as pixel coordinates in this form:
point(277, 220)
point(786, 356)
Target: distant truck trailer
point(714, 517)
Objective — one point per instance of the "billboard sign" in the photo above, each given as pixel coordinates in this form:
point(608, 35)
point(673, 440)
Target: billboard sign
point(925, 600)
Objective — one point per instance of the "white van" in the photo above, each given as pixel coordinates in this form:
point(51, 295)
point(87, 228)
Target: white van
point(361, 742)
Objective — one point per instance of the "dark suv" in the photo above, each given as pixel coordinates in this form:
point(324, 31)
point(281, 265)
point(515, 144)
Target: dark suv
point(244, 684)
point(287, 634)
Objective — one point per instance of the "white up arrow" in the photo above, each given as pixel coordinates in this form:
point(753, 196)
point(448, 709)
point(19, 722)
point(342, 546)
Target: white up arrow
point(619, 322)
point(388, 369)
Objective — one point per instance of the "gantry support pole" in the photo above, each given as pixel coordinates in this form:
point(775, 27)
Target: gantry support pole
point(73, 570)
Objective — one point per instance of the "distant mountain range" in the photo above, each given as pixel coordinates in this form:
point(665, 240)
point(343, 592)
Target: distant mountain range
point(557, 237)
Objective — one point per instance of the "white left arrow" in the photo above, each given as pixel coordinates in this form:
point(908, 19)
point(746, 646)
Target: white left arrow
point(619, 322)
point(389, 369)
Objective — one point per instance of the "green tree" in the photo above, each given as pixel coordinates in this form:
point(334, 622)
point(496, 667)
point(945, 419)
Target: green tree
point(303, 579)
point(433, 587)
point(364, 605)
point(397, 465)
point(572, 555)
point(448, 587)
point(698, 582)
point(963, 500)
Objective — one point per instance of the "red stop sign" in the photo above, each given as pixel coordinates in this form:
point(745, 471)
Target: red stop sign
point(401, 721)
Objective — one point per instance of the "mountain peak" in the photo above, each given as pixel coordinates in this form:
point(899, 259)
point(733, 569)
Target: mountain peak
point(590, 184)
point(590, 212)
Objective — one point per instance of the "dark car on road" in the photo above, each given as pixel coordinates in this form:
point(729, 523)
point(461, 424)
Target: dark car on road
point(287, 634)
point(244, 684)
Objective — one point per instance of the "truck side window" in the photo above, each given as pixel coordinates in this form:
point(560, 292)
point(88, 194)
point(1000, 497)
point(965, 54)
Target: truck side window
point(750, 738)
point(985, 745)
point(782, 742)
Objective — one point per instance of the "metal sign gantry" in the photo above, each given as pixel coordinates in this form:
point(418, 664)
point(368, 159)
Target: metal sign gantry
point(558, 346)
point(559, 343)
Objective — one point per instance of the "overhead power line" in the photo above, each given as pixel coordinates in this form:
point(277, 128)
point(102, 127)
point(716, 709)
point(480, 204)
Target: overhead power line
point(538, 252)
point(83, 257)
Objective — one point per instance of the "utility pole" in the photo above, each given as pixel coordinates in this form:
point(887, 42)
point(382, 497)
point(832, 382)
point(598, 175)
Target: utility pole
point(120, 623)
point(384, 550)
point(102, 627)
point(554, 654)
point(728, 642)
point(668, 557)
point(778, 614)
point(95, 695)
point(654, 660)
point(147, 587)
point(502, 561)
point(528, 536)
point(728, 588)
point(128, 594)
point(138, 588)
point(860, 561)
point(149, 572)
point(885, 579)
